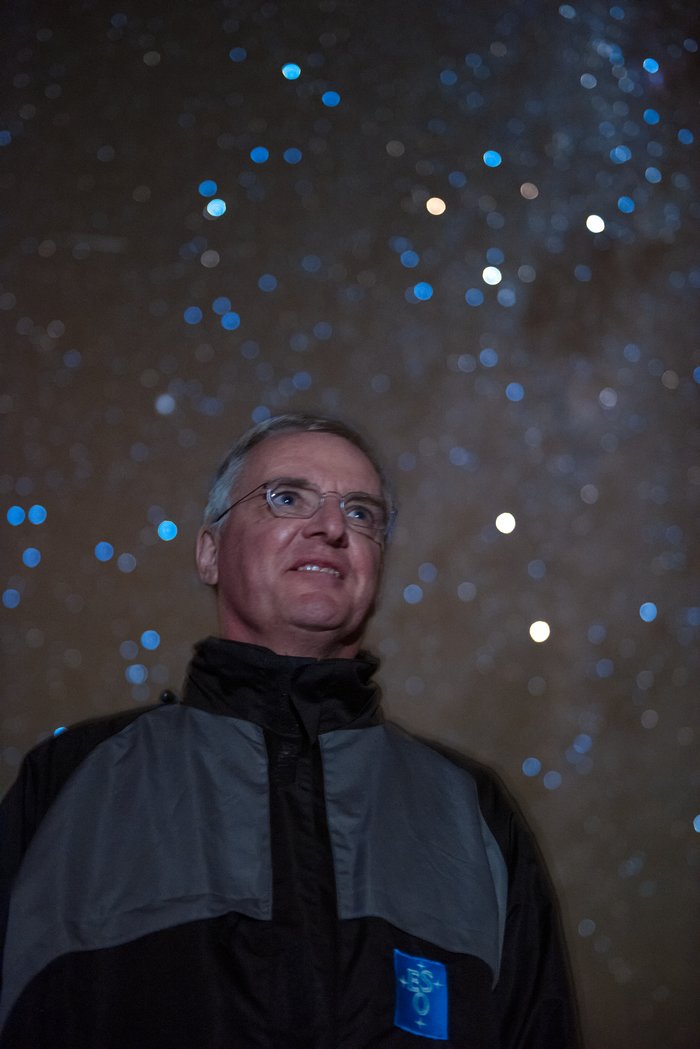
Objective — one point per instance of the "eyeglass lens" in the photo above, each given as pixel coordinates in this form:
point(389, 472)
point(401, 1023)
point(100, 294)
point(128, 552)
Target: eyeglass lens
point(294, 500)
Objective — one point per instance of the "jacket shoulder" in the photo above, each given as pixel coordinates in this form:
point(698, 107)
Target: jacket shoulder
point(49, 765)
point(499, 808)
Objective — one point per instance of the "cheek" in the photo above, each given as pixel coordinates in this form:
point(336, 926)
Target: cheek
point(265, 553)
point(370, 571)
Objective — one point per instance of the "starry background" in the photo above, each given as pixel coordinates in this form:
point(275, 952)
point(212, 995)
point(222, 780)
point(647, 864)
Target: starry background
point(468, 227)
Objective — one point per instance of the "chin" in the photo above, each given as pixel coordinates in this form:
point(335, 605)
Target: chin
point(320, 618)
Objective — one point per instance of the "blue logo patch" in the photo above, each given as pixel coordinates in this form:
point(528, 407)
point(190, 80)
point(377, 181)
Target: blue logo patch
point(421, 996)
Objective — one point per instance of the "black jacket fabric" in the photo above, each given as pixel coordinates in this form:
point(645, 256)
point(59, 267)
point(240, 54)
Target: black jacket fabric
point(268, 865)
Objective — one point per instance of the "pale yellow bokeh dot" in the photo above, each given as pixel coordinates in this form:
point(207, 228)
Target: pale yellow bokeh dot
point(529, 190)
point(539, 630)
point(491, 275)
point(436, 205)
point(505, 523)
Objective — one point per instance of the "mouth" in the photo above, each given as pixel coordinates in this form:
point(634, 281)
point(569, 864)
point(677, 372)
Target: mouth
point(319, 567)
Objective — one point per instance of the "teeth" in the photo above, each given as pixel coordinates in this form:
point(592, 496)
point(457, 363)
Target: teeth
point(318, 568)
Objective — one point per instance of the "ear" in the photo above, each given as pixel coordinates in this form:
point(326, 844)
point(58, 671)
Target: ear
point(207, 557)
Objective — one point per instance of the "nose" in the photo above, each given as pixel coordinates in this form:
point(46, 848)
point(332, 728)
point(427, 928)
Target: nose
point(329, 521)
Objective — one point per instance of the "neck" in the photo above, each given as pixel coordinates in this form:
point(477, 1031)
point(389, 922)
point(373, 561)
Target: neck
point(307, 644)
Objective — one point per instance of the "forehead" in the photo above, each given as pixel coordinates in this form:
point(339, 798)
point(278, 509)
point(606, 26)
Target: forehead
point(325, 459)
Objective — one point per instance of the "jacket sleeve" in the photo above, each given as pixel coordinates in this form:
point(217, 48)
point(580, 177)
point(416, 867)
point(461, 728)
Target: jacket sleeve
point(17, 824)
point(534, 994)
point(43, 773)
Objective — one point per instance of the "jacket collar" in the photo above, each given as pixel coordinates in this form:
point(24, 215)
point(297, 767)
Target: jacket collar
point(288, 695)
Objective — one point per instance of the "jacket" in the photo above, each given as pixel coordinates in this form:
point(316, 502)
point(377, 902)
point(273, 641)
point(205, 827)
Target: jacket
point(269, 865)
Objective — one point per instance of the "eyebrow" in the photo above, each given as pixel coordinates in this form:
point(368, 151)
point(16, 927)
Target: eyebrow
point(300, 482)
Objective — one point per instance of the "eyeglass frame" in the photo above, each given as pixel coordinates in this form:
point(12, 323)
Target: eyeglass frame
point(296, 482)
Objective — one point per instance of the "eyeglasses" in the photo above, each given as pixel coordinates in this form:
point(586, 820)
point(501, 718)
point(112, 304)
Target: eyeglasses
point(299, 498)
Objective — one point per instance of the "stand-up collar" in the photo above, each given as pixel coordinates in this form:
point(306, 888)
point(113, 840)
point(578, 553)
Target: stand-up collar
point(286, 694)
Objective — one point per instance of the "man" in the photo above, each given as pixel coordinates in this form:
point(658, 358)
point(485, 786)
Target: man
point(267, 864)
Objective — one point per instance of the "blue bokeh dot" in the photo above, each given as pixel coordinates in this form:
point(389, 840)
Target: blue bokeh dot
point(596, 633)
point(409, 258)
point(31, 557)
point(238, 54)
point(474, 297)
point(150, 639)
point(311, 263)
point(492, 159)
point(11, 598)
point(104, 551)
point(128, 650)
point(16, 515)
point(620, 154)
point(330, 99)
point(302, 381)
point(583, 743)
point(267, 282)
point(413, 594)
point(126, 563)
point(292, 155)
point(626, 205)
point(531, 766)
point(136, 674)
point(514, 391)
point(423, 291)
point(488, 357)
point(192, 315)
point(259, 154)
point(537, 569)
point(230, 321)
point(221, 305)
point(651, 116)
point(648, 611)
point(167, 530)
point(207, 188)
point(291, 71)
point(37, 514)
point(260, 413)
point(427, 572)
point(552, 780)
point(216, 207)
point(651, 65)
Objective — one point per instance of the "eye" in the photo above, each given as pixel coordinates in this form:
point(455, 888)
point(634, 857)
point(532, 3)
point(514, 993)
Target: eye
point(361, 512)
point(286, 498)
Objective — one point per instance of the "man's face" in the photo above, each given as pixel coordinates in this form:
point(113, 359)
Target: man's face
point(268, 590)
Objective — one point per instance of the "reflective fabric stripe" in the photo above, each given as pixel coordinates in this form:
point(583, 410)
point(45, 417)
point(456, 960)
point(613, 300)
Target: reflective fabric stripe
point(410, 844)
point(164, 823)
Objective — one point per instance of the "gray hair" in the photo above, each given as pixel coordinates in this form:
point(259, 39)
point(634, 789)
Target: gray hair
point(293, 422)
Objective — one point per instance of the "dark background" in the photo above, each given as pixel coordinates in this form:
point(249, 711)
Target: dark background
point(567, 397)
